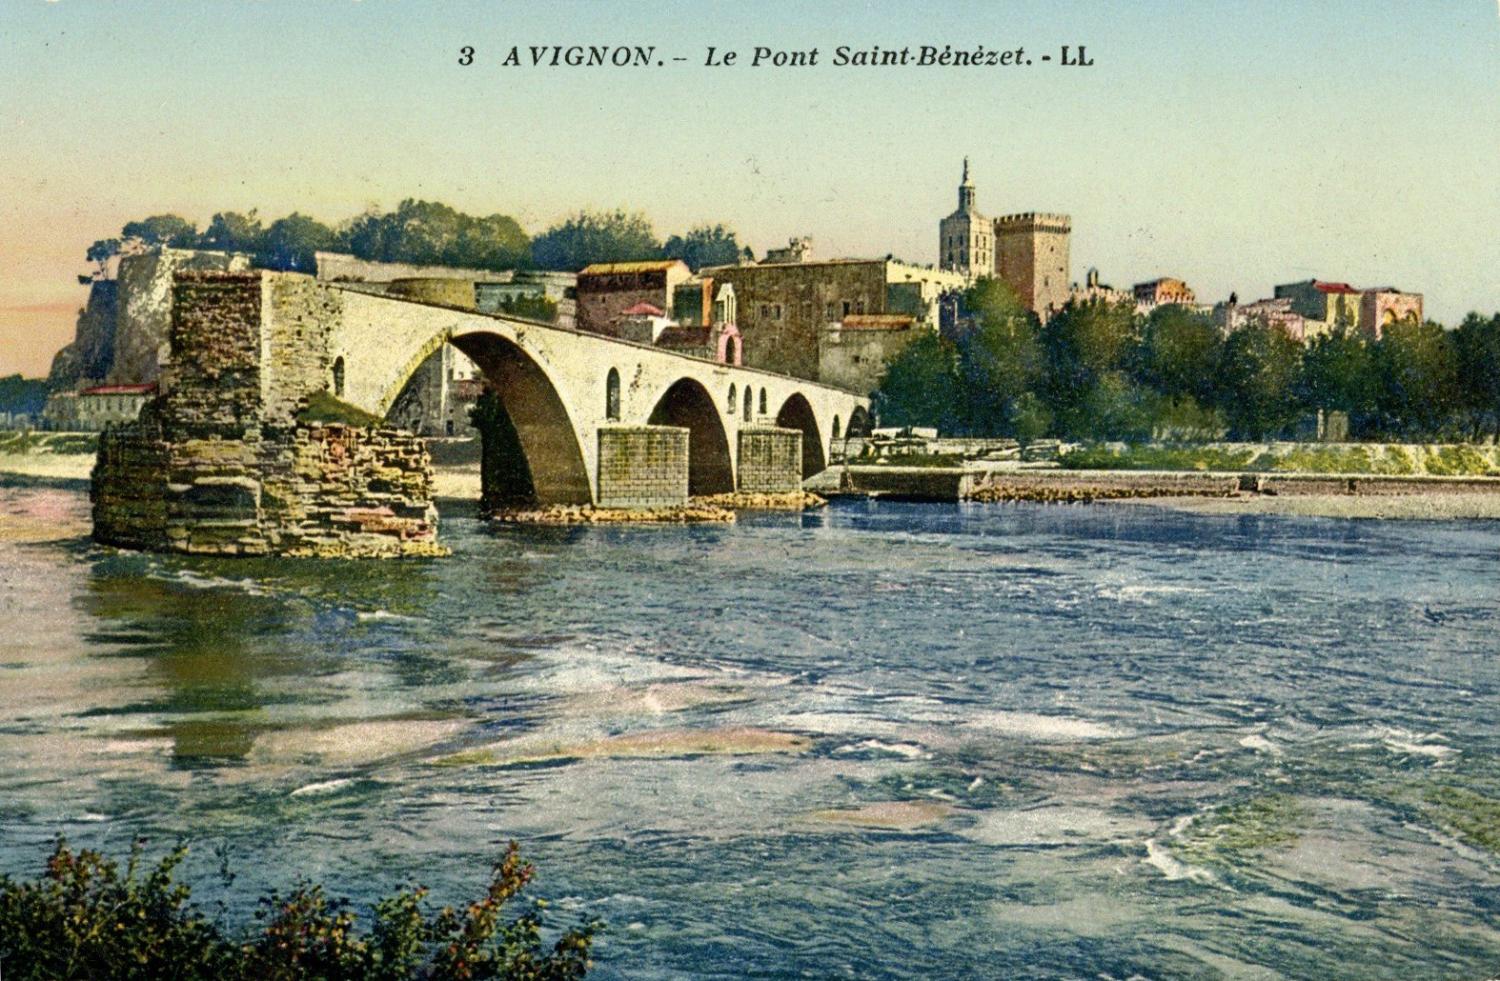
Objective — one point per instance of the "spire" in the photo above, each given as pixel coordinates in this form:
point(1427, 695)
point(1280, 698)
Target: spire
point(966, 190)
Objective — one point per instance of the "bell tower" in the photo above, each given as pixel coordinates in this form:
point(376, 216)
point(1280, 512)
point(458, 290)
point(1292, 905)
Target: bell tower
point(966, 239)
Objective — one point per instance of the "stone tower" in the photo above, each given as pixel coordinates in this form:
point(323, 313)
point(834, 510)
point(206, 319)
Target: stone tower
point(966, 240)
point(1031, 254)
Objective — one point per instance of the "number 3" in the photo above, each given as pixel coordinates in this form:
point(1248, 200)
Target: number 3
point(466, 56)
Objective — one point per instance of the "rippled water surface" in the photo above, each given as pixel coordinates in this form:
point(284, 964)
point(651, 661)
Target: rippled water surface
point(882, 740)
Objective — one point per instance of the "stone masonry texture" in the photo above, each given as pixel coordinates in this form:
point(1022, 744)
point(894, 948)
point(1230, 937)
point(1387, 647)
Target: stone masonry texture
point(770, 460)
point(643, 466)
point(219, 463)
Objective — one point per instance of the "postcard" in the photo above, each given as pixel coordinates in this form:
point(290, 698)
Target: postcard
point(710, 489)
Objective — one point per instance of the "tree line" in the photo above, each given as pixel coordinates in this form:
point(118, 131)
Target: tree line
point(429, 233)
point(1098, 370)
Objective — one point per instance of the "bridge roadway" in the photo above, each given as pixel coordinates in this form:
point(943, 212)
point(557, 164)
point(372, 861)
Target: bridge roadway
point(559, 386)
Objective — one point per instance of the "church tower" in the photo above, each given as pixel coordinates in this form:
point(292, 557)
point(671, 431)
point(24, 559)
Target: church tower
point(966, 239)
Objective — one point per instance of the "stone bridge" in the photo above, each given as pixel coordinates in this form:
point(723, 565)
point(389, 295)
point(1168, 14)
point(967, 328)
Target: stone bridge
point(571, 395)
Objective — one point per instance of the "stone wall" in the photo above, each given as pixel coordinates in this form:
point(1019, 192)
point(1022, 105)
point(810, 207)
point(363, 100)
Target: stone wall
point(770, 460)
point(220, 464)
point(143, 322)
point(313, 490)
point(643, 466)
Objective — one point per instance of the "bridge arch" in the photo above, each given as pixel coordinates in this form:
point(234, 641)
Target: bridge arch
point(797, 413)
point(686, 403)
point(859, 423)
point(539, 458)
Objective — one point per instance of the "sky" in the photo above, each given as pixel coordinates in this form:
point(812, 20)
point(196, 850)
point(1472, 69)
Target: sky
point(1232, 143)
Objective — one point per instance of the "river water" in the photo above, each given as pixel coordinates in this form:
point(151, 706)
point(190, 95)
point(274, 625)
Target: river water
point(878, 740)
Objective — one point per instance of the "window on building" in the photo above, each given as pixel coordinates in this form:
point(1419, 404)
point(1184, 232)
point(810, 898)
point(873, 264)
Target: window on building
point(765, 311)
point(338, 376)
point(763, 401)
point(612, 396)
point(859, 306)
point(835, 427)
point(448, 427)
point(749, 402)
point(731, 400)
point(778, 311)
point(833, 311)
point(848, 307)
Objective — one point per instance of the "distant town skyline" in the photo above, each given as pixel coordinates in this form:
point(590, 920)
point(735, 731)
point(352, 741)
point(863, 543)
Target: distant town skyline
point(1232, 145)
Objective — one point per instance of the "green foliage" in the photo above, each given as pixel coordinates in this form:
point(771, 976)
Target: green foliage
point(429, 233)
point(1179, 351)
point(1338, 372)
point(324, 407)
point(1477, 348)
point(99, 254)
point(1088, 345)
point(920, 386)
point(23, 395)
point(290, 244)
point(595, 236)
point(170, 230)
point(1209, 458)
point(532, 307)
point(999, 360)
point(230, 231)
point(704, 245)
point(1258, 372)
point(84, 919)
point(1418, 369)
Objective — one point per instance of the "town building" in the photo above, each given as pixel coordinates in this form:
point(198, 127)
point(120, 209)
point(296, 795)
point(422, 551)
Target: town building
point(1324, 305)
point(1385, 305)
point(853, 353)
point(92, 409)
point(1162, 292)
point(785, 307)
point(437, 398)
point(1093, 290)
point(713, 336)
point(1272, 312)
point(966, 239)
point(606, 290)
point(1029, 251)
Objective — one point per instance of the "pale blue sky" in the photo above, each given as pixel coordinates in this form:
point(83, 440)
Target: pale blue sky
point(1235, 144)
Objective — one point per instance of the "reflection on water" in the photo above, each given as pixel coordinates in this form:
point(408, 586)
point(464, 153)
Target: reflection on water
point(875, 741)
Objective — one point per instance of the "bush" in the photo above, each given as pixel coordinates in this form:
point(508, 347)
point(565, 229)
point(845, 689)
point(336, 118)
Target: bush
point(83, 919)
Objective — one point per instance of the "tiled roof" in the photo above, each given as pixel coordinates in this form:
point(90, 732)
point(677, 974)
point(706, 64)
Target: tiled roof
point(143, 389)
point(878, 321)
point(644, 309)
point(1323, 287)
point(651, 265)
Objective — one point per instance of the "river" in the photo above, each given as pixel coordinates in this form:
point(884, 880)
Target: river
point(878, 740)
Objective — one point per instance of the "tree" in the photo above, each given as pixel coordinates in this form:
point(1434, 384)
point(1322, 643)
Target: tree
point(430, 233)
point(1258, 371)
point(595, 236)
point(230, 231)
point(1477, 343)
point(1418, 366)
point(1338, 373)
point(169, 230)
point(920, 386)
point(1178, 353)
point(999, 360)
point(704, 246)
point(1084, 342)
point(99, 254)
point(290, 244)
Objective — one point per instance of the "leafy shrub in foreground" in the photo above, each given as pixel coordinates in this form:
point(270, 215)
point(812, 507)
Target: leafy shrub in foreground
point(84, 919)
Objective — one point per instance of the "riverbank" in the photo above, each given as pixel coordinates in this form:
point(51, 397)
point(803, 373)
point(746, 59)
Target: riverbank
point(1414, 507)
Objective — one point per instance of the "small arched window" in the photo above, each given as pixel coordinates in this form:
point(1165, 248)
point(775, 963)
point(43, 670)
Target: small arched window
point(612, 396)
point(338, 376)
point(731, 400)
point(763, 401)
point(835, 427)
point(749, 402)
